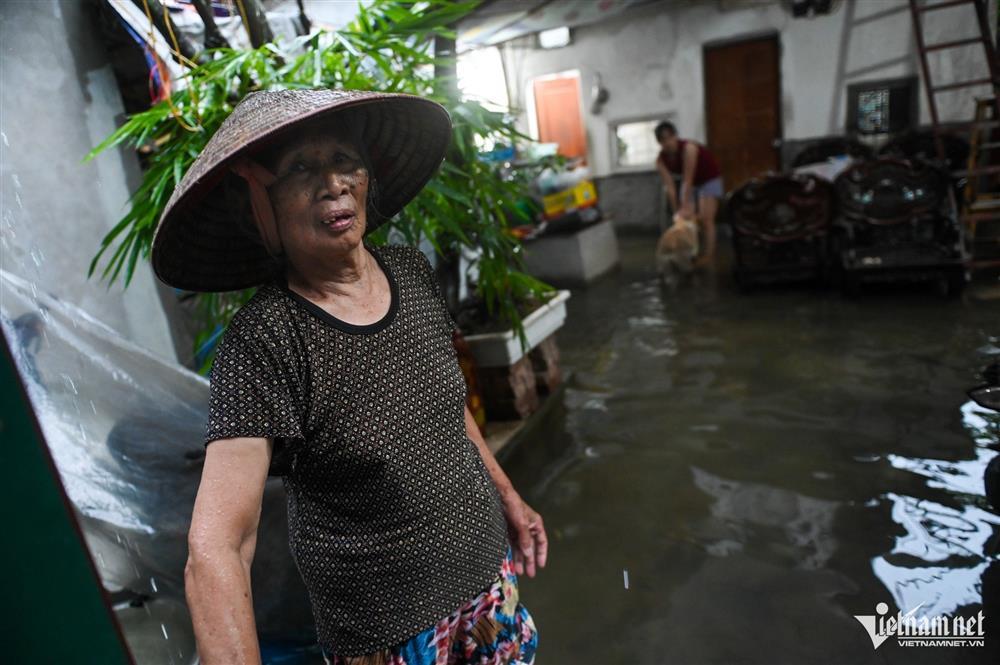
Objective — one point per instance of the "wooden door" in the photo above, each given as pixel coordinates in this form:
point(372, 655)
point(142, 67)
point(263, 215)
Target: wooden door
point(557, 107)
point(742, 107)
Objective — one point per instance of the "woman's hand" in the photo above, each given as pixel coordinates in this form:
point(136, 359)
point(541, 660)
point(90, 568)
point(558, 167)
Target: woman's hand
point(527, 535)
point(687, 210)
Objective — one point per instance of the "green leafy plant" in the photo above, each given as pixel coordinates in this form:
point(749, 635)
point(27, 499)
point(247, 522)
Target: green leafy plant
point(386, 48)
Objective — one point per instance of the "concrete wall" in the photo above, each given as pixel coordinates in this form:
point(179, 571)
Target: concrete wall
point(650, 60)
point(58, 99)
point(634, 200)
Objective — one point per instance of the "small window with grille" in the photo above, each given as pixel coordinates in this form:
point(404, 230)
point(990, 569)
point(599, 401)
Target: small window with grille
point(882, 107)
point(634, 145)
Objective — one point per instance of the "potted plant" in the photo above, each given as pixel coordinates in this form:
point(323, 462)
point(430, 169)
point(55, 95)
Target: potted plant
point(387, 47)
point(496, 345)
point(515, 366)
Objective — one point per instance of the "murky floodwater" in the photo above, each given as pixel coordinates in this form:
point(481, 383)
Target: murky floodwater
point(729, 479)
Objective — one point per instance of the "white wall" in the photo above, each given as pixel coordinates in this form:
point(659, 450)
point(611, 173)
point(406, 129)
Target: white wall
point(59, 99)
point(650, 60)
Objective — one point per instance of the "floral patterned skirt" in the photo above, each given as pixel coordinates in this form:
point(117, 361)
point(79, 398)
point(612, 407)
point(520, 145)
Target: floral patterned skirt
point(491, 629)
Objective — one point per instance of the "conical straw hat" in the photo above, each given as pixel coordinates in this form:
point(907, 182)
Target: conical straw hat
point(202, 244)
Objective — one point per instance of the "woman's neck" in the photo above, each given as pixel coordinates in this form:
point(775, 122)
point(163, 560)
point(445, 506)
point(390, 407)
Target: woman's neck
point(349, 275)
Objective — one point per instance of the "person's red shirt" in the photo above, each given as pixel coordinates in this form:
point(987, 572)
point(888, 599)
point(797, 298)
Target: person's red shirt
point(706, 169)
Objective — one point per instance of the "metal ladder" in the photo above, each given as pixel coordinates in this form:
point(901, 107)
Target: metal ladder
point(981, 200)
point(977, 205)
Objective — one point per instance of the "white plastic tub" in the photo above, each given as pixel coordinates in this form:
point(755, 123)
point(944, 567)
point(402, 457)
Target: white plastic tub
point(501, 349)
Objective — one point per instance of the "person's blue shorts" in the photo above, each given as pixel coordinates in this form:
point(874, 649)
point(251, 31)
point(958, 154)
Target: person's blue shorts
point(493, 627)
point(711, 188)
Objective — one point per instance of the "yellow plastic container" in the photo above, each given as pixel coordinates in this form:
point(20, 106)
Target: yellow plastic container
point(581, 195)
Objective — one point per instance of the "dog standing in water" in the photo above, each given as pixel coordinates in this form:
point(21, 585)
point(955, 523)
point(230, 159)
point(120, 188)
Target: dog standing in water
point(676, 250)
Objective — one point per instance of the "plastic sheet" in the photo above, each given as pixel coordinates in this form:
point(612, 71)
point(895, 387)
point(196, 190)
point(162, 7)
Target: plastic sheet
point(125, 431)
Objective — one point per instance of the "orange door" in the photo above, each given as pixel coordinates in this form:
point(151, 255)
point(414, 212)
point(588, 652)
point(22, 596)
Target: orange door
point(742, 97)
point(557, 107)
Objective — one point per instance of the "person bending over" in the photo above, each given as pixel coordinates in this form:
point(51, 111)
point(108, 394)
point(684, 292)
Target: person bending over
point(701, 182)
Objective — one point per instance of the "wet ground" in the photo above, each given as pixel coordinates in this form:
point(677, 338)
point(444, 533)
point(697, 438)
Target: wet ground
point(731, 478)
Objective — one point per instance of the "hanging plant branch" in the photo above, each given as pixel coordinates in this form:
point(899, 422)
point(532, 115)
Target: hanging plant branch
point(213, 37)
point(255, 22)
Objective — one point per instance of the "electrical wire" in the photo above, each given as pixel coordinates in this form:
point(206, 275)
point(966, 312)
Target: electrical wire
point(174, 111)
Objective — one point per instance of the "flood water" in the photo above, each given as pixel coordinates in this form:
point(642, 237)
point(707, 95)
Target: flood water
point(731, 478)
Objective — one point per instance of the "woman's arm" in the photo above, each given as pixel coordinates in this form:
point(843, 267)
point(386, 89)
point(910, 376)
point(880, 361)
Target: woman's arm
point(668, 185)
point(527, 531)
point(500, 479)
point(690, 161)
point(221, 545)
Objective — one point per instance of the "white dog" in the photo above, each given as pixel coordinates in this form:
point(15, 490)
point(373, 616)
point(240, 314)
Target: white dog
point(677, 249)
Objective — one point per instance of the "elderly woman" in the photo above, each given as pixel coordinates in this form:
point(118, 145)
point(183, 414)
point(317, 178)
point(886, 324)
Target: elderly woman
point(339, 376)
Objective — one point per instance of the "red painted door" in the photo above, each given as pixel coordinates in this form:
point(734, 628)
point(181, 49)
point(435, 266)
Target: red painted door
point(557, 107)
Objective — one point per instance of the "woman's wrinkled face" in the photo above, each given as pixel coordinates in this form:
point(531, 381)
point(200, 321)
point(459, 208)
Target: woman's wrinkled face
point(320, 194)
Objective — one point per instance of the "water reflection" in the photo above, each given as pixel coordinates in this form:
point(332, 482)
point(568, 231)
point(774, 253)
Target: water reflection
point(958, 535)
point(805, 523)
point(936, 534)
point(959, 476)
